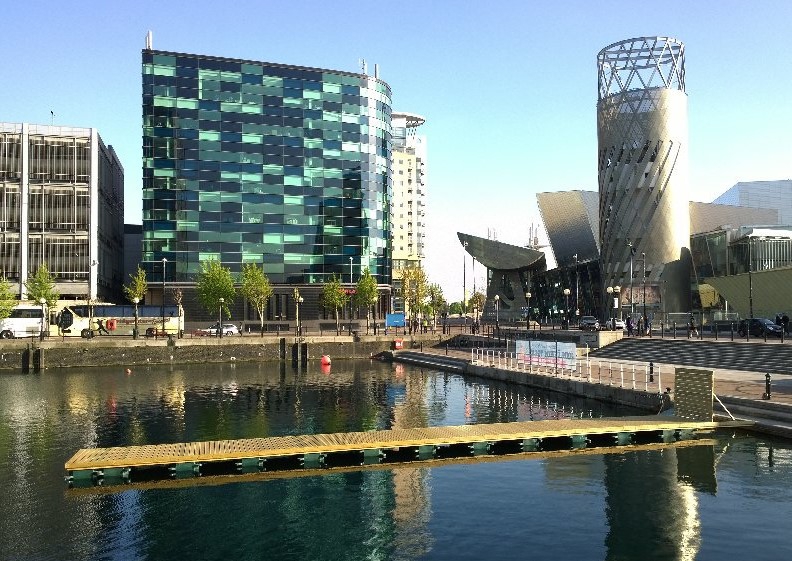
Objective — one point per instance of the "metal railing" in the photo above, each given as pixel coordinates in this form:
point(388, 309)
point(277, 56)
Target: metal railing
point(630, 375)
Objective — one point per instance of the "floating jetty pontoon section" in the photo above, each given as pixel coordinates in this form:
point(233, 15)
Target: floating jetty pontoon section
point(310, 450)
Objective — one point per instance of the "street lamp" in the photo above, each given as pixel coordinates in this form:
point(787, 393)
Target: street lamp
point(221, 300)
point(43, 302)
point(750, 279)
point(164, 261)
point(566, 295)
point(632, 253)
point(135, 331)
point(617, 291)
point(609, 290)
point(350, 296)
point(297, 301)
point(497, 306)
point(645, 319)
point(464, 278)
point(528, 316)
point(577, 287)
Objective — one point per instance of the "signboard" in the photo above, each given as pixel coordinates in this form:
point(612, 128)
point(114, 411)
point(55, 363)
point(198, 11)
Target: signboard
point(547, 353)
point(394, 320)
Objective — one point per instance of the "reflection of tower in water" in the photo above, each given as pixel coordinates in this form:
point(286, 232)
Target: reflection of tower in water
point(411, 510)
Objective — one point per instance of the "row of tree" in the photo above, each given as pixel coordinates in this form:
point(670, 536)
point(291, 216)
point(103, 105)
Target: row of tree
point(216, 288)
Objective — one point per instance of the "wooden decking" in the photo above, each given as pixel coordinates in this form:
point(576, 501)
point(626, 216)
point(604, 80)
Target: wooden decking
point(164, 455)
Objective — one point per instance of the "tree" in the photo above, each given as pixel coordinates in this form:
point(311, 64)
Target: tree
point(477, 300)
point(366, 294)
point(137, 287)
point(7, 298)
point(414, 289)
point(42, 285)
point(333, 298)
point(256, 288)
point(215, 282)
point(455, 308)
point(436, 301)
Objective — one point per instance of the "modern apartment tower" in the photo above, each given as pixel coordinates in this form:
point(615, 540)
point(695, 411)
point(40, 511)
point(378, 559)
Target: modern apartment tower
point(643, 171)
point(61, 205)
point(257, 162)
point(408, 207)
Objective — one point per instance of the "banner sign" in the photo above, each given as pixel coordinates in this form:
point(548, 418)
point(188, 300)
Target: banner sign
point(394, 320)
point(547, 353)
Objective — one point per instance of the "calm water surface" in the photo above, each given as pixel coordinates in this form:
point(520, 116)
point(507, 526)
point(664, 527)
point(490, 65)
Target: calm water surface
point(730, 499)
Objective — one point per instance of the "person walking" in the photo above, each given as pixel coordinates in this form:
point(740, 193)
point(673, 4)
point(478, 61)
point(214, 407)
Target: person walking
point(629, 326)
point(692, 325)
point(785, 323)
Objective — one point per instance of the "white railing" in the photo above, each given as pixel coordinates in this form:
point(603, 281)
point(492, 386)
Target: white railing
point(632, 375)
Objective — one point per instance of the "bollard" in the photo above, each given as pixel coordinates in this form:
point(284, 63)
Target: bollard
point(651, 371)
point(446, 349)
point(674, 330)
point(767, 393)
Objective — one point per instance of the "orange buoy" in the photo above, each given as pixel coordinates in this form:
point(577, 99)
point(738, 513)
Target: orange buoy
point(325, 368)
point(112, 324)
point(326, 359)
point(129, 371)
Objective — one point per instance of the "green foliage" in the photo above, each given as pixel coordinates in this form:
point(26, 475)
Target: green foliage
point(333, 298)
point(7, 298)
point(366, 294)
point(215, 282)
point(414, 289)
point(256, 288)
point(455, 308)
point(477, 301)
point(137, 286)
point(436, 303)
point(42, 285)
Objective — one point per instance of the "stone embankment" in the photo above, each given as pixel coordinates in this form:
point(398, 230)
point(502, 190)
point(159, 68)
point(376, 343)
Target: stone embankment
point(33, 355)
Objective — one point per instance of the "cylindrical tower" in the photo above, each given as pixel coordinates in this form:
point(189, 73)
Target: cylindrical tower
point(643, 174)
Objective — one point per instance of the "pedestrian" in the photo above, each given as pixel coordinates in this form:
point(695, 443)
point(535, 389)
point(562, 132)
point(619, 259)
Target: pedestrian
point(692, 325)
point(629, 326)
point(785, 323)
point(640, 326)
point(101, 329)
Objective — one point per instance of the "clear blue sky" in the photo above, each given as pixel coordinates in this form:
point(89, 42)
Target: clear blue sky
point(509, 89)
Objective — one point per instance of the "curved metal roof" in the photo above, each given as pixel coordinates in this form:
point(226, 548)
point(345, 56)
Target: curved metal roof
point(501, 256)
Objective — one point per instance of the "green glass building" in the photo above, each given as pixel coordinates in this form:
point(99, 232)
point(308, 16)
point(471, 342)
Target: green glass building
point(256, 162)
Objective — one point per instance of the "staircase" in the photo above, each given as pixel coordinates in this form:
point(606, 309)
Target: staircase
point(775, 358)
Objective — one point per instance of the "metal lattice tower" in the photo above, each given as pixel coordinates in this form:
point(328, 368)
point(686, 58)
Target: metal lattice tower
point(643, 161)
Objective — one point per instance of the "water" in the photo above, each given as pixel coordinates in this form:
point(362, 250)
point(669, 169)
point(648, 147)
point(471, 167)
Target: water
point(731, 499)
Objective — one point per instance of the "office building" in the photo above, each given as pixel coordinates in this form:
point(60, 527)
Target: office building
point(62, 205)
point(258, 162)
point(776, 195)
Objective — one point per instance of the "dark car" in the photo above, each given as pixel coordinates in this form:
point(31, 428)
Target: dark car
point(589, 323)
point(759, 327)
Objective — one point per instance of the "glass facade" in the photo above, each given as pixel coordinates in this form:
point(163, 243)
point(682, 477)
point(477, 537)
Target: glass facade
point(254, 162)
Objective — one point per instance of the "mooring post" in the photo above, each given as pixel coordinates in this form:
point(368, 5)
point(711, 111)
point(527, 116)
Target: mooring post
point(767, 393)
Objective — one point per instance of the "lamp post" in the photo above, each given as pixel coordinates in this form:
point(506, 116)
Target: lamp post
point(577, 288)
point(464, 289)
point(645, 319)
point(297, 301)
point(350, 296)
point(617, 291)
point(528, 316)
point(497, 306)
point(43, 302)
point(750, 279)
point(135, 331)
point(609, 290)
point(164, 261)
point(221, 300)
point(566, 312)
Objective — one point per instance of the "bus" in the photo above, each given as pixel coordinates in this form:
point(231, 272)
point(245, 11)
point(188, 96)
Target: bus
point(26, 320)
point(87, 321)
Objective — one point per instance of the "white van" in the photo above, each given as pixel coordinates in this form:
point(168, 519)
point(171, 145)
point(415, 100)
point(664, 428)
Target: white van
point(24, 321)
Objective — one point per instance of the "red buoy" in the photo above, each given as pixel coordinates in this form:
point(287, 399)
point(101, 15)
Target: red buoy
point(326, 360)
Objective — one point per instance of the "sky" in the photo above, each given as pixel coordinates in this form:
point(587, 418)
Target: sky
point(508, 88)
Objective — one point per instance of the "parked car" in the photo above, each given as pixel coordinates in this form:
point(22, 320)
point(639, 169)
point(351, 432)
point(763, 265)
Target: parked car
point(759, 327)
point(589, 323)
point(211, 331)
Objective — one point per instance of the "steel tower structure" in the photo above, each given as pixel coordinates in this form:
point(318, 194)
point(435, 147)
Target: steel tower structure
point(643, 166)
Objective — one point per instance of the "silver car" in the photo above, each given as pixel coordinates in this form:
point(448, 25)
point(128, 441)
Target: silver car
point(589, 323)
point(228, 329)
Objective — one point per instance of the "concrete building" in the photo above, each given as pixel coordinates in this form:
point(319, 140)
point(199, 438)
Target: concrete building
point(257, 162)
point(408, 207)
point(62, 205)
point(776, 195)
point(643, 167)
